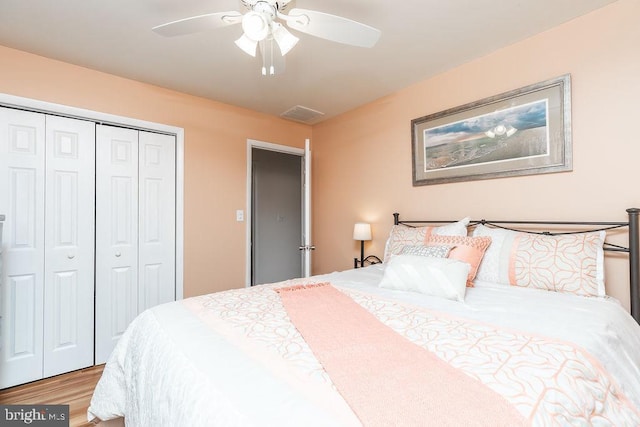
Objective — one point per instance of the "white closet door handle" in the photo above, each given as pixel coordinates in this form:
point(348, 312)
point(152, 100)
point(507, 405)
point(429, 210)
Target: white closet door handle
point(71, 256)
point(118, 254)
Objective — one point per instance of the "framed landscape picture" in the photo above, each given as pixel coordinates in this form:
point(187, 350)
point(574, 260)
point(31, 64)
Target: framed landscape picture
point(523, 132)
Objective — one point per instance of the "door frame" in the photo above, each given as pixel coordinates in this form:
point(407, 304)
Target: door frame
point(37, 106)
point(262, 145)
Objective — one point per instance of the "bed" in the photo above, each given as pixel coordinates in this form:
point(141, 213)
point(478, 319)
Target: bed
point(449, 330)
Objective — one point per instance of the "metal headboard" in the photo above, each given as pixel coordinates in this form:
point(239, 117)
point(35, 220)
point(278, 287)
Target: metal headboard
point(633, 248)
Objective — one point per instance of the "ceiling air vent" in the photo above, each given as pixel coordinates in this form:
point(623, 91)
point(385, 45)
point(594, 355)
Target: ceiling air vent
point(302, 114)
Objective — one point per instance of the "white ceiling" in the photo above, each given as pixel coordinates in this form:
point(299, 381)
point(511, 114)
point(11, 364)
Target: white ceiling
point(420, 38)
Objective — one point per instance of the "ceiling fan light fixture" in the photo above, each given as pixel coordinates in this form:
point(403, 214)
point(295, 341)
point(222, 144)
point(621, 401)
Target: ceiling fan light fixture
point(255, 26)
point(247, 45)
point(262, 27)
point(286, 41)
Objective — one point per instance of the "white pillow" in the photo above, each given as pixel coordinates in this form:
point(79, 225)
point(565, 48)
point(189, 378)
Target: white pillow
point(439, 277)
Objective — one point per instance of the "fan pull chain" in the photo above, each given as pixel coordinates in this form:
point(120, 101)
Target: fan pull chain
point(267, 57)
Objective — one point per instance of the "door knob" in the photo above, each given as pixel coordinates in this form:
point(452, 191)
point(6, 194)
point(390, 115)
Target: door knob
point(71, 256)
point(118, 254)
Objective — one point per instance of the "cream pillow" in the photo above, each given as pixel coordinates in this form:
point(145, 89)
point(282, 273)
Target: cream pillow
point(438, 277)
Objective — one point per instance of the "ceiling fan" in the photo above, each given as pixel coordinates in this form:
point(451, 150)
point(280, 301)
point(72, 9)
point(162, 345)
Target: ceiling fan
point(262, 27)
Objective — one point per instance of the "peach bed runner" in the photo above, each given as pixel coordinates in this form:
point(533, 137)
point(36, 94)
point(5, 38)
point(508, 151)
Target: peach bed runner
point(386, 379)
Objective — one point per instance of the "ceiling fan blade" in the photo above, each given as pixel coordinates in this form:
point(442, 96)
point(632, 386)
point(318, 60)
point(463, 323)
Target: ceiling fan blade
point(198, 23)
point(332, 27)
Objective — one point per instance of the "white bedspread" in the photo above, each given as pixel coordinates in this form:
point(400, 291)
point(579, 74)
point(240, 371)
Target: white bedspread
point(233, 358)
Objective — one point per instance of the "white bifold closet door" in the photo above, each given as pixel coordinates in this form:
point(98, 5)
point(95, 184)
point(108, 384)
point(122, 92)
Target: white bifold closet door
point(135, 228)
point(69, 242)
point(46, 288)
point(157, 220)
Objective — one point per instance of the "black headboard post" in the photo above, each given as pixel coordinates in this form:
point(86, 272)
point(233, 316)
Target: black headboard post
point(396, 218)
point(634, 262)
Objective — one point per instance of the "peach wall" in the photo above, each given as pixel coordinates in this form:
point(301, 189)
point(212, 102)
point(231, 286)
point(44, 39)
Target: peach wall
point(362, 164)
point(215, 137)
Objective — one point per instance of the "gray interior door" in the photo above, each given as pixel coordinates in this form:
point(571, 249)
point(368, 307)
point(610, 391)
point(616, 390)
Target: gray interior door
point(276, 229)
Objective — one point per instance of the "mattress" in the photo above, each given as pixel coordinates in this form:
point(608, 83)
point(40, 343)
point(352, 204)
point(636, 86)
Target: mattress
point(234, 358)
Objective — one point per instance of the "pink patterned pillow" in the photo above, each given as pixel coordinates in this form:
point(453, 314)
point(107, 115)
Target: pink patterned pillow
point(466, 249)
point(572, 263)
point(402, 235)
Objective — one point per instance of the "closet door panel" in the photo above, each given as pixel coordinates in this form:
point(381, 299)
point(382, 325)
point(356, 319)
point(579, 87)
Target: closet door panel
point(22, 161)
point(157, 220)
point(69, 245)
point(116, 235)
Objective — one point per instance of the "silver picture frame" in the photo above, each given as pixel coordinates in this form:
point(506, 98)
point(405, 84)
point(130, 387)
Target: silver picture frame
point(521, 132)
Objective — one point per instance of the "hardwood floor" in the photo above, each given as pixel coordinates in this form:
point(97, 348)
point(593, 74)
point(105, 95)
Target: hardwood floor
point(73, 389)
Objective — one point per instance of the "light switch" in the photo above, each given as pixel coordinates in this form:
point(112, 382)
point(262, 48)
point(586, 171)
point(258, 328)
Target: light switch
point(239, 215)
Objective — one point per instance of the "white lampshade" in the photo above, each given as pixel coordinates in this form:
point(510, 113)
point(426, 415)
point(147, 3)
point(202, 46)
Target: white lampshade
point(286, 41)
point(362, 231)
point(255, 26)
point(248, 45)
